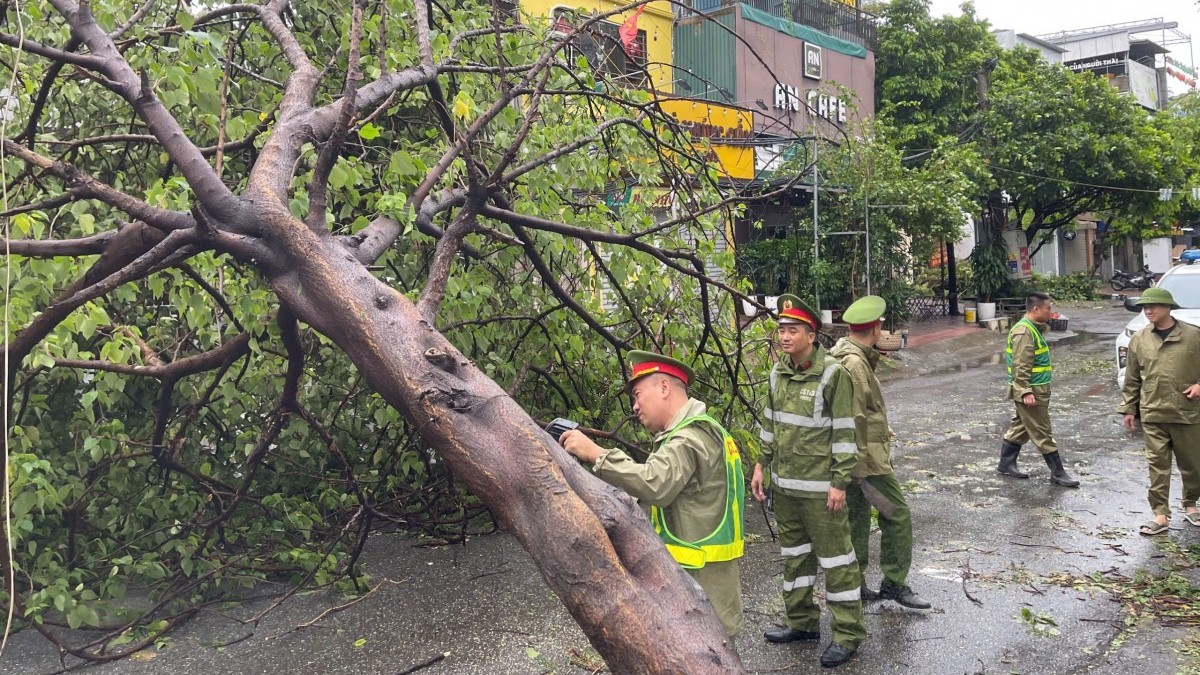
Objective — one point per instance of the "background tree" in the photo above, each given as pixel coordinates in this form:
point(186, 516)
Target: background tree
point(926, 73)
point(1063, 144)
point(277, 275)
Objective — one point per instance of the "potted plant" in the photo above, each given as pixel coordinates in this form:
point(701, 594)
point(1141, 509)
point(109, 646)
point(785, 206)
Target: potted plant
point(897, 315)
point(990, 268)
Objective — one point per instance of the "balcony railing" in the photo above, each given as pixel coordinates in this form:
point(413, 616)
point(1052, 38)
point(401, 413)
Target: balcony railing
point(838, 19)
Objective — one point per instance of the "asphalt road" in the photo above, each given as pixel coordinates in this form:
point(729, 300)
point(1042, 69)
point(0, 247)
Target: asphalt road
point(987, 547)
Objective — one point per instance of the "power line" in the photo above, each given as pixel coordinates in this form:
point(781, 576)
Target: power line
point(1116, 188)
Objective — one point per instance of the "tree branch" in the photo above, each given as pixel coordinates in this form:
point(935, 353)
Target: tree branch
point(318, 187)
point(132, 20)
point(209, 189)
point(440, 267)
point(129, 244)
point(550, 279)
point(83, 185)
point(53, 248)
point(212, 359)
point(85, 61)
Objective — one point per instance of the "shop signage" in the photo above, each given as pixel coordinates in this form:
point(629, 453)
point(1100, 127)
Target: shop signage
point(832, 108)
point(812, 61)
point(718, 123)
point(1106, 62)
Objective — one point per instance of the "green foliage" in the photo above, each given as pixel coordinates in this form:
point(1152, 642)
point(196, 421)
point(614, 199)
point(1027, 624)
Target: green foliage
point(1052, 136)
point(1039, 623)
point(989, 266)
point(911, 211)
point(897, 293)
point(1067, 288)
point(925, 71)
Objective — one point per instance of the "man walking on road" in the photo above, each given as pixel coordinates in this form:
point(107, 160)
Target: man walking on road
point(808, 444)
point(873, 472)
point(1029, 372)
point(1162, 389)
point(693, 481)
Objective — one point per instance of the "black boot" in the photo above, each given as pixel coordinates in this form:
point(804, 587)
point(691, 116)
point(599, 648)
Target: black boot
point(835, 655)
point(789, 634)
point(1059, 475)
point(1008, 460)
point(904, 595)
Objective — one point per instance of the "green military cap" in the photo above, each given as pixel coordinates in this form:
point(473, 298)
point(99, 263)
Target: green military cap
point(791, 309)
point(1158, 296)
point(865, 312)
point(643, 363)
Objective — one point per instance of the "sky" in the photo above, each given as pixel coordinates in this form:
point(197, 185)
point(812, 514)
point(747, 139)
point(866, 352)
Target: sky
point(1038, 17)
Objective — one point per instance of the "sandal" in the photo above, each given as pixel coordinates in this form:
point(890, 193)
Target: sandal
point(1193, 517)
point(1153, 527)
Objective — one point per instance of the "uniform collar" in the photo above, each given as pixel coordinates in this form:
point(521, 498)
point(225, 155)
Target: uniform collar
point(869, 353)
point(1042, 328)
point(817, 356)
point(1173, 335)
point(690, 409)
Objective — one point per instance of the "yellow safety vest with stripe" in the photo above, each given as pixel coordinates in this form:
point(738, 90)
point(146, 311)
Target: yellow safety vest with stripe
point(1042, 370)
point(725, 542)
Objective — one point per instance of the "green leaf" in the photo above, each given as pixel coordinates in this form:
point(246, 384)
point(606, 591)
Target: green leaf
point(368, 132)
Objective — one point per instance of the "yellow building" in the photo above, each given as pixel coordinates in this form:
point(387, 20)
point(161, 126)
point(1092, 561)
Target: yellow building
point(653, 44)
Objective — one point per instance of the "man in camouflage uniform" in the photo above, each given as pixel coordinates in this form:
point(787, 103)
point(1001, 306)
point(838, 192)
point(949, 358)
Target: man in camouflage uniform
point(692, 482)
point(873, 474)
point(1029, 372)
point(1162, 389)
point(809, 446)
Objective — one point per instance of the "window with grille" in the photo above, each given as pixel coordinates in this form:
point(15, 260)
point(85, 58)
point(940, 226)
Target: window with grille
point(601, 45)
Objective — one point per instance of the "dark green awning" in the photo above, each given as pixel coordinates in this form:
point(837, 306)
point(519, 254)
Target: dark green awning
point(802, 32)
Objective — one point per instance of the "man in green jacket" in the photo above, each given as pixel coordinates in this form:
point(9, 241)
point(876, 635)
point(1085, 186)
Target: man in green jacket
point(808, 444)
point(692, 482)
point(1029, 373)
point(873, 472)
point(1162, 389)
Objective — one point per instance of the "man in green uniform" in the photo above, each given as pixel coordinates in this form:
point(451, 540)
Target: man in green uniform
point(873, 472)
point(1162, 388)
point(1029, 372)
point(693, 481)
point(808, 444)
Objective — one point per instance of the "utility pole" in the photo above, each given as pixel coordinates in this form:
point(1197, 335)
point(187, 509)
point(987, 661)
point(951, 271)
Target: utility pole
point(816, 214)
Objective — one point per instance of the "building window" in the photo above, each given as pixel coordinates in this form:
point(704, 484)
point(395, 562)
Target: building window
point(601, 45)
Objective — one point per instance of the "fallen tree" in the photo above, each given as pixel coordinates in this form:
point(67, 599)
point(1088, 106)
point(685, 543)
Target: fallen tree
point(194, 195)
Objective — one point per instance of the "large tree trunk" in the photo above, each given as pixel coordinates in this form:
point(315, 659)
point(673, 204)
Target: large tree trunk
point(594, 547)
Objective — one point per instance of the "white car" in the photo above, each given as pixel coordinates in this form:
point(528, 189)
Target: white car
point(1183, 281)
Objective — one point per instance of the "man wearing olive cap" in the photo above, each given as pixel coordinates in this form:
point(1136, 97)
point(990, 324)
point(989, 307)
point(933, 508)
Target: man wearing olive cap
point(809, 446)
point(858, 356)
point(693, 481)
point(1162, 389)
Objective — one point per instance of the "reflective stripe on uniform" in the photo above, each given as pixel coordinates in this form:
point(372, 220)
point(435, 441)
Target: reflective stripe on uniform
point(766, 436)
point(843, 423)
point(845, 596)
point(844, 448)
point(799, 582)
point(688, 557)
point(836, 561)
point(795, 420)
point(795, 550)
point(801, 485)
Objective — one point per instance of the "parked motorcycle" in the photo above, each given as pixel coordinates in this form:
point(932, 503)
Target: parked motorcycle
point(1123, 280)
